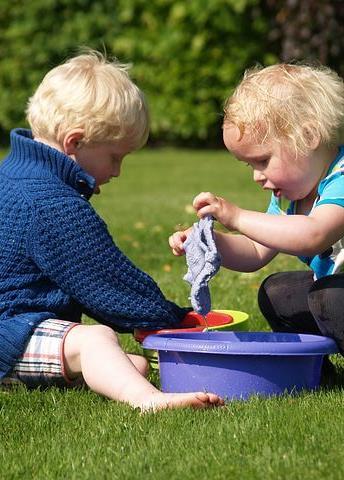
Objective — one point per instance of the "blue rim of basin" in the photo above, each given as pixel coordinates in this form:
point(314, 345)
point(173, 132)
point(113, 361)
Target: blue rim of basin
point(243, 343)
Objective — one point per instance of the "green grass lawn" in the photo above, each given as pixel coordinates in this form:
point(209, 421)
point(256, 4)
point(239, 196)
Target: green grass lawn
point(77, 435)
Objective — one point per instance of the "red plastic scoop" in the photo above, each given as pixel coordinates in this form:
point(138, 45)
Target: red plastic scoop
point(192, 322)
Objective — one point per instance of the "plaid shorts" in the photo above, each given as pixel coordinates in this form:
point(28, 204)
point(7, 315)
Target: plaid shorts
point(42, 363)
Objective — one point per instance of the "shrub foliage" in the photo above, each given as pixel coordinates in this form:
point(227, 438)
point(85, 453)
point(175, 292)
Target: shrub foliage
point(186, 55)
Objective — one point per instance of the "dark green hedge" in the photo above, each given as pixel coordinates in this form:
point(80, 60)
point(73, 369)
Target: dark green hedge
point(186, 55)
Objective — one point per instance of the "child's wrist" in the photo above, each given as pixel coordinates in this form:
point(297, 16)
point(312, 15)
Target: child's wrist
point(232, 218)
point(242, 220)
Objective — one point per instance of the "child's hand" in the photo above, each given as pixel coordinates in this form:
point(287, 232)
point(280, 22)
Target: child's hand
point(177, 240)
point(227, 213)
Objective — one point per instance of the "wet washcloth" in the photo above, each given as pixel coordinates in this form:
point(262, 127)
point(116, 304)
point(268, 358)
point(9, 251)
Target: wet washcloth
point(203, 261)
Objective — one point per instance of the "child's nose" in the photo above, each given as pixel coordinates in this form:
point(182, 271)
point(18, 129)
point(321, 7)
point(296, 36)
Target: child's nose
point(258, 176)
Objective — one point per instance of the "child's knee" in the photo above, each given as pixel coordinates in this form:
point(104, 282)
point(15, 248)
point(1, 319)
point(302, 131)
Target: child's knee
point(99, 334)
point(83, 333)
point(85, 336)
point(264, 292)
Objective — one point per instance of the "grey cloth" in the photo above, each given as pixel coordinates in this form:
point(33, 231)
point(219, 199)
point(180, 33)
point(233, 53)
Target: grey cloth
point(203, 261)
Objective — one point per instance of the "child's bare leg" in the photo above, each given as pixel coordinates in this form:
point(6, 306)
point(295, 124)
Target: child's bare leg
point(94, 351)
point(140, 363)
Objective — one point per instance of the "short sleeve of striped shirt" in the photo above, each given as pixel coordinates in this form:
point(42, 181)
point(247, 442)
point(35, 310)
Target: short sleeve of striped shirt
point(331, 190)
point(279, 206)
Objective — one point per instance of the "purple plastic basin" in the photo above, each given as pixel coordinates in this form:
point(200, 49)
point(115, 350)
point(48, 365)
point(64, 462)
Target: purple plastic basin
point(236, 365)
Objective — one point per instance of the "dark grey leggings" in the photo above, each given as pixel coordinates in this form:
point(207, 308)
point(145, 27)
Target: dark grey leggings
point(293, 302)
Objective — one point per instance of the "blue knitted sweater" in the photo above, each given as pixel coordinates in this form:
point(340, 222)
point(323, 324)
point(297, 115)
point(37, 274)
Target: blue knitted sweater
point(57, 258)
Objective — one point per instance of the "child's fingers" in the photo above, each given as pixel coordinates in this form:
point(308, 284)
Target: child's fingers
point(177, 252)
point(203, 199)
point(176, 243)
point(207, 210)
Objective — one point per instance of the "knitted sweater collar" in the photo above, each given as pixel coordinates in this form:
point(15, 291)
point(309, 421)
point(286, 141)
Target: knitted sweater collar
point(31, 159)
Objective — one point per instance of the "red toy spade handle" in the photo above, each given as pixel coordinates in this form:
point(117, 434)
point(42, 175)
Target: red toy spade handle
point(213, 319)
point(192, 322)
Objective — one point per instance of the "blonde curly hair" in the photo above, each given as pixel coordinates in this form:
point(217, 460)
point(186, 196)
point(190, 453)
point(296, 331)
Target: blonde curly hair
point(287, 102)
point(95, 94)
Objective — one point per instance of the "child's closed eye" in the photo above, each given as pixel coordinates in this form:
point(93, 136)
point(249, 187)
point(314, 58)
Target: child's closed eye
point(259, 163)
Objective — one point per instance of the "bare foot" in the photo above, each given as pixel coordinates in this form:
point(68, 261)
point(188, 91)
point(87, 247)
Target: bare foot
point(161, 401)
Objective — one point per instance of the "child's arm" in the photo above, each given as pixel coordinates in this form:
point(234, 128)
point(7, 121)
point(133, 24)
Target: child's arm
point(237, 251)
point(241, 254)
point(292, 234)
point(74, 249)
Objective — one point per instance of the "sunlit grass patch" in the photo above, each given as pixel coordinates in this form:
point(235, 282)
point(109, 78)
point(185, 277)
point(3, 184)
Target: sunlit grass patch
point(56, 434)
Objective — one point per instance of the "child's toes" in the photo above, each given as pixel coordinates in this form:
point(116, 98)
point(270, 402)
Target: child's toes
point(215, 399)
point(210, 399)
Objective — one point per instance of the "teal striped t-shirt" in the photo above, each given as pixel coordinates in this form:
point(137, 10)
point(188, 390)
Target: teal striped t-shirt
point(330, 191)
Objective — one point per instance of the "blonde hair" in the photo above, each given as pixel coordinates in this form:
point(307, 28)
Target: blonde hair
point(294, 103)
point(92, 93)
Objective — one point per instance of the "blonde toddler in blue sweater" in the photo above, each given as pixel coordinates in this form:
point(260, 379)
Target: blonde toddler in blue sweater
point(58, 259)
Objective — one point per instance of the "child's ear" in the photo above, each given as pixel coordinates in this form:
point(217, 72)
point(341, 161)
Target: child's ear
point(311, 135)
point(72, 140)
